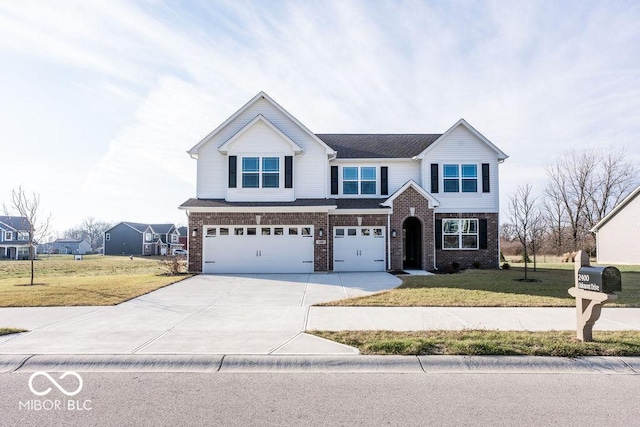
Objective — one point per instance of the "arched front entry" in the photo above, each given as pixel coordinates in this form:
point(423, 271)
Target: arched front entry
point(412, 243)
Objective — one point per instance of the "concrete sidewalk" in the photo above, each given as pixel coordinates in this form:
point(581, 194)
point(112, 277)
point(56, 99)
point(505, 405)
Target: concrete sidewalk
point(460, 318)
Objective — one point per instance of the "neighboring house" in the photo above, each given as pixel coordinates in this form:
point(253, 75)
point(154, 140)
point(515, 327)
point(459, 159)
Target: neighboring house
point(132, 238)
point(14, 237)
point(183, 237)
point(274, 197)
point(618, 233)
point(66, 246)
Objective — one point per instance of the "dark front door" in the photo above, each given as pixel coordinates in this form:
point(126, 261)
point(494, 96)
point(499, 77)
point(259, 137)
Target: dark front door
point(412, 242)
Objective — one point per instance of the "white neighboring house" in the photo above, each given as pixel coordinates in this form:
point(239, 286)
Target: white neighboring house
point(274, 197)
point(618, 233)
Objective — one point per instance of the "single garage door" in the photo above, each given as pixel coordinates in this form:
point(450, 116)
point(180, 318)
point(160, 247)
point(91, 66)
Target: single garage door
point(258, 249)
point(359, 249)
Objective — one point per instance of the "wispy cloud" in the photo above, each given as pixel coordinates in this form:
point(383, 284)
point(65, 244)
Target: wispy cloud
point(534, 78)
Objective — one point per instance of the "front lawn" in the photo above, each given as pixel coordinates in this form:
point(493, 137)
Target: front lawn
point(494, 288)
point(96, 280)
point(484, 343)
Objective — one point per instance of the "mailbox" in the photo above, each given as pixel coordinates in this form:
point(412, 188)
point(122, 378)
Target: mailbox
point(599, 279)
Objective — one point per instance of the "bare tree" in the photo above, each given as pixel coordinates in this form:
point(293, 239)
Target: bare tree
point(523, 214)
point(27, 208)
point(90, 229)
point(583, 187)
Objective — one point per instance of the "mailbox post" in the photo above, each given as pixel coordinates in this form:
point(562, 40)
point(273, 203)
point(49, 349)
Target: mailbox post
point(594, 286)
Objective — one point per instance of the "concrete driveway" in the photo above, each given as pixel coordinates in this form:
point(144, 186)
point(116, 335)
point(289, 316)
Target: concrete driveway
point(213, 314)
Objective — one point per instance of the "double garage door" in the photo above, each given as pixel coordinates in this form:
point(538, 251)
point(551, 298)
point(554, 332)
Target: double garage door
point(359, 249)
point(258, 249)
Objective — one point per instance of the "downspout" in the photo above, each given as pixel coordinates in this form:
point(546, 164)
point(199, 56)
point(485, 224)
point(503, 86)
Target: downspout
point(388, 241)
point(434, 239)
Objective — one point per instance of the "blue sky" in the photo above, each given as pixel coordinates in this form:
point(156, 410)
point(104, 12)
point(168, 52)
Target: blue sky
point(100, 100)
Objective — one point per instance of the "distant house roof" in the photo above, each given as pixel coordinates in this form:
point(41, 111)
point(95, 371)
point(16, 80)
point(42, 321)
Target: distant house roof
point(141, 227)
point(371, 146)
point(74, 241)
point(183, 231)
point(162, 228)
point(15, 222)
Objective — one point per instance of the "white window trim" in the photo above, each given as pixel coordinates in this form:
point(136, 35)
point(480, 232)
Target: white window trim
point(8, 236)
point(460, 178)
point(107, 236)
point(22, 234)
point(376, 181)
point(460, 234)
point(261, 172)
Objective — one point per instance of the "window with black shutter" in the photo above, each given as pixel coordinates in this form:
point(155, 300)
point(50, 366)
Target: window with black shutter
point(434, 177)
point(288, 171)
point(384, 180)
point(334, 179)
point(233, 171)
point(485, 178)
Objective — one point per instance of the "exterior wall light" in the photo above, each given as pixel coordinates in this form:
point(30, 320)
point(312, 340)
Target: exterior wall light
point(394, 233)
point(321, 232)
point(194, 232)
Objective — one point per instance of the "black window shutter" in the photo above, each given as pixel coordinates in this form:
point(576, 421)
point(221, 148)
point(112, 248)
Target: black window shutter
point(334, 180)
point(483, 234)
point(434, 177)
point(485, 177)
point(288, 171)
point(384, 180)
point(438, 234)
point(233, 167)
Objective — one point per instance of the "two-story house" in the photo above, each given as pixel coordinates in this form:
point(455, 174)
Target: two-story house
point(272, 196)
point(14, 237)
point(132, 238)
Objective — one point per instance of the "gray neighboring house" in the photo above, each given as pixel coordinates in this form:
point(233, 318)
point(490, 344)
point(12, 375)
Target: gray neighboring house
point(66, 246)
point(133, 238)
point(618, 233)
point(14, 237)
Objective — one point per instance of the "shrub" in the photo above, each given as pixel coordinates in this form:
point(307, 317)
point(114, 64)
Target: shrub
point(506, 266)
point(477, 264)
point(173, 265)
point(455, 266)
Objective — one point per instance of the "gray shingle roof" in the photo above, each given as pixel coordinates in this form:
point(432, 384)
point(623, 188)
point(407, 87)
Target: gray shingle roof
point(372, 146)
point(16, 222)
point(358, 203)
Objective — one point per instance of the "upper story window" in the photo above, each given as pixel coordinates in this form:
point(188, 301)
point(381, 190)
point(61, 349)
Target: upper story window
point(460, 234)
point(8, 235)
point(107, 236)
point(359, 180)
point(148, 237)
point(460, 178)
point(23, 235)
point(174, 238)
point(260, 172)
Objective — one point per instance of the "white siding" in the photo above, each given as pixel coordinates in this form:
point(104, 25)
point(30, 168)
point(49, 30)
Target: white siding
point(618, 238)
point(462, 147)
point(310, 172)
point(399, 172)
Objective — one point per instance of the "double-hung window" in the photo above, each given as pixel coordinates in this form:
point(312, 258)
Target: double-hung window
point(23, 235)
point(460, 234)
point(359, 180)
point(260, 172)
point(460, 178)
point(8, 235)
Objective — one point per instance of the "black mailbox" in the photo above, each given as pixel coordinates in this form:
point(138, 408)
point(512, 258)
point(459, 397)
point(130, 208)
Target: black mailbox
point(600, 279)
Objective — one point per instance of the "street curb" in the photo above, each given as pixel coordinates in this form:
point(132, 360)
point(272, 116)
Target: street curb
point(212, 363)
point(120, 363)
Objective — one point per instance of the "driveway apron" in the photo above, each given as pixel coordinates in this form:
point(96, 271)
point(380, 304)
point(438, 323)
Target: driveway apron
point(209, 314)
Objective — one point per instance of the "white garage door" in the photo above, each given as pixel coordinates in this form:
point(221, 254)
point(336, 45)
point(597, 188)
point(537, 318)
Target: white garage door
point(359, 249)
point(258, 249)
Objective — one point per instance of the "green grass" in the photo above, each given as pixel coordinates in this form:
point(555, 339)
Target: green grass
point(96, 280)
point(474, 342)
point(494, 288)
point(7, 331)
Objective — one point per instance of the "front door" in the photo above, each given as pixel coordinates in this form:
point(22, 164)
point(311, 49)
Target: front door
point(412, 243)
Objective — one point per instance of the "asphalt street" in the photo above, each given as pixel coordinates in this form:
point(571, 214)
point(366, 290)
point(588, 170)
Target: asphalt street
point(251, 399)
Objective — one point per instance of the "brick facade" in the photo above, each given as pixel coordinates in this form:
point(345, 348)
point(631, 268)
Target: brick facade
point(319, 220)
point(402, 205)
point(323, 252)
point(488, 258)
